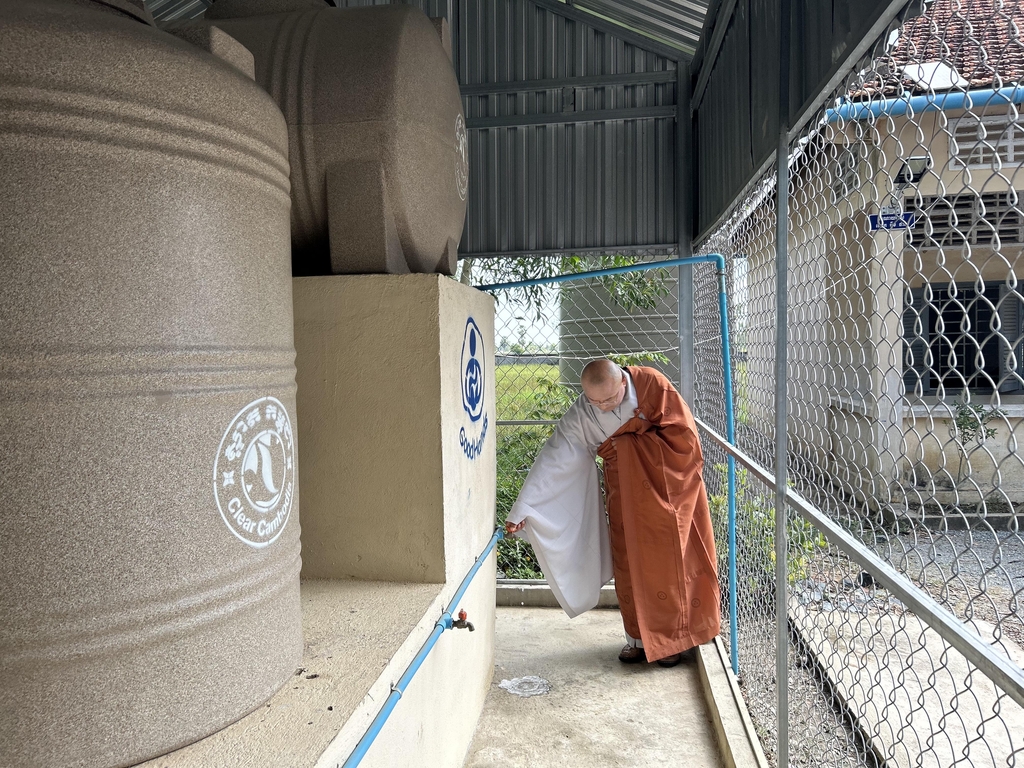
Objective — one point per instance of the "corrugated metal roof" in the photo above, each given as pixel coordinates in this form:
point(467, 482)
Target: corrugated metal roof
point(571, 133)
point(672, 27)
point(676, 22)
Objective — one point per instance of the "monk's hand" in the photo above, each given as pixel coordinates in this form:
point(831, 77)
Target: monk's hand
point(511, 528)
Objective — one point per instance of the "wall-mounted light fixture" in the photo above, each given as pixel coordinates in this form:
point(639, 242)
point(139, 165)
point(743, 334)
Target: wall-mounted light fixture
point(912, 171)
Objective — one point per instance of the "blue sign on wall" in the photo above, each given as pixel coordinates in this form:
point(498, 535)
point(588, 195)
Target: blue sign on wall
point(891, 221)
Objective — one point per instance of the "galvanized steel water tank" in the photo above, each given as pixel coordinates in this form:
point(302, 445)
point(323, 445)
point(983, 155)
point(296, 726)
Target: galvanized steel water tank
point(379, 149)
point(150, 549)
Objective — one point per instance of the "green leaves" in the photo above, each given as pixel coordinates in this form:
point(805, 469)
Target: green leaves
point(517, 449)
point(755, 536)
point(970, 421)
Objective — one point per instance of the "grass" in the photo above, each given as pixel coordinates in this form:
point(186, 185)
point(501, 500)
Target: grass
point(517, 386)
point(521, 390)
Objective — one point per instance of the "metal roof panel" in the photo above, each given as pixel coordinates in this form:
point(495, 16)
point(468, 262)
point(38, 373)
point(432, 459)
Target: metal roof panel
point(677, 22)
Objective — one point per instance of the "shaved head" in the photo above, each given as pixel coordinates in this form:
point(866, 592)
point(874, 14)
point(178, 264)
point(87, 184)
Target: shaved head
point(600, 372)
point(604, 384)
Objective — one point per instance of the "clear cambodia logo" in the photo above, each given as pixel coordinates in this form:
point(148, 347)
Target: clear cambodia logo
point(461, 158)
point(254, 472)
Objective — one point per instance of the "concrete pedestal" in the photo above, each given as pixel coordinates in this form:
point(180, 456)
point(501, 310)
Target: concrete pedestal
point(396, 438)
point(396, 441)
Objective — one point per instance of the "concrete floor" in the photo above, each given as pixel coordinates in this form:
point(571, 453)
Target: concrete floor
point(600, 713)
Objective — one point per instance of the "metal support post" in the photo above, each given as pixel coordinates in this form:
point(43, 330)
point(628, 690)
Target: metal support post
point(781, 391)
point(684, 220)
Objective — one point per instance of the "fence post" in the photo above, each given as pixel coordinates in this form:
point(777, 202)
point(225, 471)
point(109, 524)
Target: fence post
point(684, 228)
point(781, 388)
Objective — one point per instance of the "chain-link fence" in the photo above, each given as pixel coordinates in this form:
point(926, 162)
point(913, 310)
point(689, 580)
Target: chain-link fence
point(901, 602)
point(545, 334)
point(905, 403)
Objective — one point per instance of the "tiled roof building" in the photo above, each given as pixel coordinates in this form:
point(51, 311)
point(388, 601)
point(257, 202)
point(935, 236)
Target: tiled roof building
point(982, 40)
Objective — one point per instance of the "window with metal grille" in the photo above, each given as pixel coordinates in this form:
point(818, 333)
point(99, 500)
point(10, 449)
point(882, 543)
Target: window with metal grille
point(962, 337)
point(991, 218)
point(989, 141)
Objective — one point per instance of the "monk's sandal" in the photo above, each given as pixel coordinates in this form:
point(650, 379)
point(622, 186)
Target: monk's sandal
point(688, 655)
point(631, 655)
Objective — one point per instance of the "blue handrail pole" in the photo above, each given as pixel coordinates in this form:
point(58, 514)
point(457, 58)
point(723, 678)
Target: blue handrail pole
point(730, 433)
point(714, 257)
point(445, 622)
point(730, 422)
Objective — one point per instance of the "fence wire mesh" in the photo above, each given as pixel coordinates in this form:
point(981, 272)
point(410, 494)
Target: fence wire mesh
point(905, 391)
point(905, 397)
point(545, 335)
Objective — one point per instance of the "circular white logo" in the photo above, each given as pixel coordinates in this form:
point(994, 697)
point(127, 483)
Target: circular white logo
point(254, 472)
point(461, 158)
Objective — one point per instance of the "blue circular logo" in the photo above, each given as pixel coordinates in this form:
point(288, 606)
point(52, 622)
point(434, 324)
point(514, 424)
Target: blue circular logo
point(473, 371)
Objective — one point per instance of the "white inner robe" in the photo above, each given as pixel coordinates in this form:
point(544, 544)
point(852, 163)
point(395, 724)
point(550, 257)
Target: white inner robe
point(562, 504)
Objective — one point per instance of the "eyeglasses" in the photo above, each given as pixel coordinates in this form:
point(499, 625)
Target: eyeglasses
point(608, 401)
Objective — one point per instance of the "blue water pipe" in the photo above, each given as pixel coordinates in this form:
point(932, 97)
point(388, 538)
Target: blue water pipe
point(445, 622)
point(929, 102)
point(730, 421)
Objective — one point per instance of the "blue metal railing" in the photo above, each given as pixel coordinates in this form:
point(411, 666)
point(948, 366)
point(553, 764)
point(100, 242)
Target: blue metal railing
point(445, 622)
point(927, 102)
point(730, 422)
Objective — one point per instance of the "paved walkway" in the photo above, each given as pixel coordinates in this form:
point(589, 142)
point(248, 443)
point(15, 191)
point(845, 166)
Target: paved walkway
point(599, 712)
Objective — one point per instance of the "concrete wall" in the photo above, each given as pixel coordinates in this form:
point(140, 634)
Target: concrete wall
point(388, 490)
point(434, 722)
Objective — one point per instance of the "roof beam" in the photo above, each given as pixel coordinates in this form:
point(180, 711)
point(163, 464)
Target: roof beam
point(561, 118)
point(592, 81)
point(711, 56)
point(676, 22)
point(612, 28)
point(705, 33)
point(669, 247)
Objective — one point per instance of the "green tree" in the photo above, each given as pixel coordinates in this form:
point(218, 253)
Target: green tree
point(631, 290)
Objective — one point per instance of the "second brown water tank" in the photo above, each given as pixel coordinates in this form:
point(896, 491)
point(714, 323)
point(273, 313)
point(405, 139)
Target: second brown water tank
point(376, 131)
point(150, 552)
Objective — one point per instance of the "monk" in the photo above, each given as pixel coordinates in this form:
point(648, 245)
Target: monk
point(657, 539)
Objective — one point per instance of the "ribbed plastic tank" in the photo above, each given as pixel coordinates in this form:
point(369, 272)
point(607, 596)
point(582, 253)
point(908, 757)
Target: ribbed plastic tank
point(150, 552)
point(377, 134)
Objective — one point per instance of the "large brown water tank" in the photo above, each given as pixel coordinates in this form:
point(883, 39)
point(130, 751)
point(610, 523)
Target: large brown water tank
point(376, 131)
point(150, 551)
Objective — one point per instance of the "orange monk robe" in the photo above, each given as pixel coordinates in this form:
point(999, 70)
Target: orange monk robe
point(663, 548)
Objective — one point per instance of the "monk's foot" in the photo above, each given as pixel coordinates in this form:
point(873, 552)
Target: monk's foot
point(631, 655)
point(671, 661)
